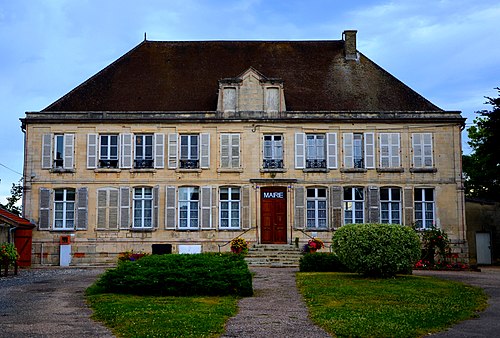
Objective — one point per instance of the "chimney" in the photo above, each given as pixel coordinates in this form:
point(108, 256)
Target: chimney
point(349, 37)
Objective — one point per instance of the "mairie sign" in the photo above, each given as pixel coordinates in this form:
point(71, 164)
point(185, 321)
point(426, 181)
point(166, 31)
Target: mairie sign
point(275, 194)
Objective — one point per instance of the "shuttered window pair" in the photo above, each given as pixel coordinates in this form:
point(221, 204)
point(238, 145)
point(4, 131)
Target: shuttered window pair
point(188, 151)
point(315, 151)
point(230, 151)
point(422, 150)
point(63, 209)
point(359, 150)
point(58, 151)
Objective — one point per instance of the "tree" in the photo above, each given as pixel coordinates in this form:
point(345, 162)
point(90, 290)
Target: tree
point(16, 195)
point(482, 167)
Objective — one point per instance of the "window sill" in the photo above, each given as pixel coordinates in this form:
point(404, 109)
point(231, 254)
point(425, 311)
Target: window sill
point(142, 229)
point(316, 170)
point(353, 170)
point(277, 170)
point(316, 230)
point(390, 170)
point(107, 170)
point(230, 170)
point(423, 170)
point(62, 171)
point(197, 170)
point(146, 170)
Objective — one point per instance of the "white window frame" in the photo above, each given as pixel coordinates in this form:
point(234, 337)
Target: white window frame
point(108, 148)
point(390, 205)
point(188, 206)
point(230, 209)
point(144, 150)
point(188, 151)
point(272, 151)
point(66, 207)
point(422, 147)
point(425, 209)
point(315, 151)
point(354, 205)
point(316, 208)
point(141, 204)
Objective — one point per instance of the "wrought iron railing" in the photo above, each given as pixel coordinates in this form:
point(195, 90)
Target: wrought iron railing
point(189, 164)
point(226, 243)
point(272, 164)
point(143, 163)
point(108, 163)
point(316, 164)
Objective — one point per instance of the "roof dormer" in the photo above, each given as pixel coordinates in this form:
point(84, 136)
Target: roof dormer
point(251, 91)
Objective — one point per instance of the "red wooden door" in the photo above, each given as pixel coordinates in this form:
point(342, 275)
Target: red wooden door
point(273, 215)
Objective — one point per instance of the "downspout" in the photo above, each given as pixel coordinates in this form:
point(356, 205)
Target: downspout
point(9, 236)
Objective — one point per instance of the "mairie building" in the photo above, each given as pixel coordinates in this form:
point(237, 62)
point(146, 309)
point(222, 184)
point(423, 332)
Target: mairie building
point(181, 146)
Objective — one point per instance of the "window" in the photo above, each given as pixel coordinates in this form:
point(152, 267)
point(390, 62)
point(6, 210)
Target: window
point(272, 99)
point(422, 150)
point(424, 208)
point(64, 209)
point(143, 207)
point(390, 205)
point(108, 154)
point(229, 200)
point(316, 208)
point(354, 209)
point(229, 99)
point(315, 151)
point(189, 198)
point(57, 151)
point(107, 208)
point(273, 152)
point(189, 152)
point(143, 151)
point(389, 150)
point(359, 150)
point(230, 150)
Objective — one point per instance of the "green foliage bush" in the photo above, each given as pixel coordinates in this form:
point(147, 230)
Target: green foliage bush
point(180, 275)
point(321, 262)
point(378, 250)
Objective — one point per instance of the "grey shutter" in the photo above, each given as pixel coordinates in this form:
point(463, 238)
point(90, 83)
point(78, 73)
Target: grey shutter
point(82, 209)
point(395, 152)
point(245, 208)
point(47, 151)
point(206, 207)
point(156, 203)
point(225, 150)
point(331, 150)
point(336, 206)
point(92, 151)
point(124, 207)
point(102, 205)
point(69, 145)
point(172, 151)
point(300, 150)
point(205, 151)
point(427, 150)
point(369, 150)
point(385, 150)
point(126, 150)
point(348, 150)
point(373, 204)
point(408, 206)
point(159, 141)
point(235, 150)
point(44, 213)
point(299, 214)
point(170, 204)
point(113, 208)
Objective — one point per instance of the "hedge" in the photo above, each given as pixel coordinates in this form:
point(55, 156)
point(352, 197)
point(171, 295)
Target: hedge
point(321, 262)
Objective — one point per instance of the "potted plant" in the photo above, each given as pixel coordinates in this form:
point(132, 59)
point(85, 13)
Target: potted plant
point(239, 245)
point(313, 245)
point(8, 256)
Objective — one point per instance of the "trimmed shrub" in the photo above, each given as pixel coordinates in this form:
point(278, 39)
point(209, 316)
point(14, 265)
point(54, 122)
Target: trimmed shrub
point(180, 275)
point(378, 250)
point(321, 262)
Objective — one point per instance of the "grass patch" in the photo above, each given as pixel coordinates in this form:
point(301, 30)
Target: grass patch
point(150, 316)
point(347, 305)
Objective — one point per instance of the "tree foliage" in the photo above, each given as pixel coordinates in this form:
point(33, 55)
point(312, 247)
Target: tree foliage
point(482, 167)
point(16, 194)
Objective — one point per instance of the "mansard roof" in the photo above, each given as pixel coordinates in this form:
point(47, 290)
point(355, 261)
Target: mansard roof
point(184, 76)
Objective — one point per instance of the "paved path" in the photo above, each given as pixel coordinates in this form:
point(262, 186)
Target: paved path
point(276, 309)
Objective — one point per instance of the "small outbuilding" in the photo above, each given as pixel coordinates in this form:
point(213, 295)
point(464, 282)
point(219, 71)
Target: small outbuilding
point(17, 230)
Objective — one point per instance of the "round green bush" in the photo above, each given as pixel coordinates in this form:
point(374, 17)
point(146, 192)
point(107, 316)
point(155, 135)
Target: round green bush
point(378, 250)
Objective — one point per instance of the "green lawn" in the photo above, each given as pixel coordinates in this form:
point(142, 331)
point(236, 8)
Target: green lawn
point(348, 305)
point(149, 316)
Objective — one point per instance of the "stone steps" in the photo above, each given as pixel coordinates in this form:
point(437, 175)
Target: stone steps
point(273, 255)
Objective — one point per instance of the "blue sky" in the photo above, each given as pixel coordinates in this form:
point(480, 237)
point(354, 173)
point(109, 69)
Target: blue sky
point(448, 50)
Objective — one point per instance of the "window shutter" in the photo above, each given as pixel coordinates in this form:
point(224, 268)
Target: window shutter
point(235, 150)
point(113, 208)
point(170, 214)
point(69, 145)
point(126, 151)
point(272, 100)
point(159, 150)
point(408, 206)
point(300, 150)
point(206, 207)
point(82, 209)
point(92, 151)
point(395, 150)
point(331, 150)
point(172, 151)
point(369, 150)
point(156, 203)
point(124, 207)
point(245, 208)
point(373, 204)
point(427, 154)
point(348, 151)
point(299, 216)
point(205, 151)
point(44, 214)
point(385, 150)
point(47, 151)
point(336, 206)
point(102, 205)
point(229, 99)
point(224, 150)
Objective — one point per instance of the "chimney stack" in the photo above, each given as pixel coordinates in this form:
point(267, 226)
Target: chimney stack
point(349, 37)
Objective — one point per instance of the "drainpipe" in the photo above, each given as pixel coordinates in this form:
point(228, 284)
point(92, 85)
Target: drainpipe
point(9, 236)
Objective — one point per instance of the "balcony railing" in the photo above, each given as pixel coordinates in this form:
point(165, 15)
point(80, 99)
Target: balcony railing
point(143, 164)
point(316, 164)
point(359, 163)
point(108, 164)
point(189, 164)
point(272, 164)
point(58, 163)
